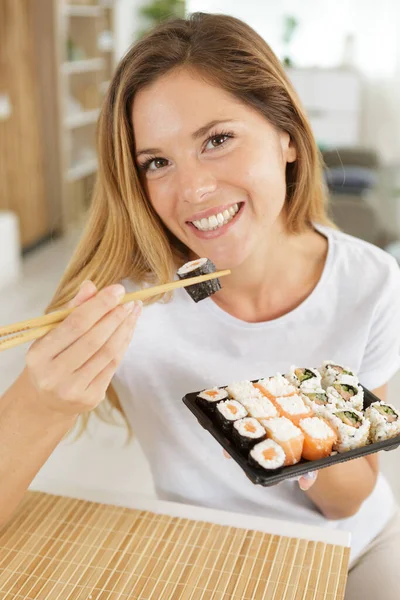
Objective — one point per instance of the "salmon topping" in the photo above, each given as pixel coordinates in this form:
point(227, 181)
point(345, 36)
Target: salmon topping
point(269, 454)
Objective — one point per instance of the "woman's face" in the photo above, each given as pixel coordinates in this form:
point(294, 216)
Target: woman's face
point(212, 167)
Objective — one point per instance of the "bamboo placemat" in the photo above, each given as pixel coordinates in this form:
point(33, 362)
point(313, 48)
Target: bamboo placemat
point(58, 548)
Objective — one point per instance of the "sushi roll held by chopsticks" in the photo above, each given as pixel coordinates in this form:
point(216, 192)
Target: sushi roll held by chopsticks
point(201, 266)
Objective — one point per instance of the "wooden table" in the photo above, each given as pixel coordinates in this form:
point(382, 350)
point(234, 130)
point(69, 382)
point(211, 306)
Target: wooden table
point(59, 548)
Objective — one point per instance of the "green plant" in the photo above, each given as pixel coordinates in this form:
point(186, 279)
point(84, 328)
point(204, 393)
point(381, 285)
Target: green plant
point(159, 10)
point(290, 26)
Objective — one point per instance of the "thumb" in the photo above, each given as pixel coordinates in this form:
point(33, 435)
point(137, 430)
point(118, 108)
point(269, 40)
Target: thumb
point(86, 291)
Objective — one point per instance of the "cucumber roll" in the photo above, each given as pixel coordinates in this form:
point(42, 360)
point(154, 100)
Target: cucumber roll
point(319, 402)
point(247, 432)
point(229, 411)
point(385, 421)
point(346, 396)
point(304, 378)
point(332, 373)
point(208, 399)
point(267, 455)
point(203, 290)
point(352, 429)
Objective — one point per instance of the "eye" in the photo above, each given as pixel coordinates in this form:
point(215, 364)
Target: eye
point(217, 140)
point(153, 163)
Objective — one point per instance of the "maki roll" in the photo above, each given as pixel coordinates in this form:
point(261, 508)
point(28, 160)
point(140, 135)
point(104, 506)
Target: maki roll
point(208, 399)
point(201, 266)
point(267, 455)
point(247, 432)
point(287, 435)
point(352, 429)
point(276, 386)
point(303, 378)
point(385, 421)
point(332, 373)
point(319, 438)
point(243, 390)
point(346, 396)
point(293, 408)
point(260, 408)
point(319, 402)
point(229, 411)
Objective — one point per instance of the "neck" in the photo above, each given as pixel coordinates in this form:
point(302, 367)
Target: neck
point(276, 278)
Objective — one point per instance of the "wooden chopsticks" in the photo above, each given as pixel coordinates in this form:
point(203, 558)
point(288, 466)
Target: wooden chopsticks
point(33, 329)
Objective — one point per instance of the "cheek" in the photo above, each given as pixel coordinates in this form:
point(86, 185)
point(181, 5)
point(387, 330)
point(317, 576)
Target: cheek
point(161, 199)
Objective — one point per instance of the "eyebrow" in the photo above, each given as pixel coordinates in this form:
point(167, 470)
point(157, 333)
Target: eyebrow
point(195, 135)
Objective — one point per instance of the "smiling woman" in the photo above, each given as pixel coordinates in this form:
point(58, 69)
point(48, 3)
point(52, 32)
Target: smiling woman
point(205, 151)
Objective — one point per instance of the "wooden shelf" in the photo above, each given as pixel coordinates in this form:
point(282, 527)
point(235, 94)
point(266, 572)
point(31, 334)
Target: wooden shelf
point(83, 169)
point(83, 118)
point(83, 66)
point(77, 10)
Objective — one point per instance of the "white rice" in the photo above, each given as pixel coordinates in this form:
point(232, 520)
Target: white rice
point(349, 437)
point(316, 428)
point(293, 405)
point(242, 390)
point(242, 427)
point(335, 397)
point(192, 266)
point(277, 385)
point(281, 428)
point(260, 408)
point(223, 408)
point(257, 454)
point(381, 429)
point(216, 394)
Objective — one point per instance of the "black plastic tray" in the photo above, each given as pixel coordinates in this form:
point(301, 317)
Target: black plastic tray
point(266, 478)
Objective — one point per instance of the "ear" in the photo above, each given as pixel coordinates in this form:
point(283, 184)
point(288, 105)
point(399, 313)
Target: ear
point(289, 152)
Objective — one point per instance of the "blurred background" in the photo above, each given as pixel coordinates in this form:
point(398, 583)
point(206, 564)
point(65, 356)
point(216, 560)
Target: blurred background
point(56, 61)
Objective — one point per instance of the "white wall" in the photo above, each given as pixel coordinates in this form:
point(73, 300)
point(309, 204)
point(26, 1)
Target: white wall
point(319, 41)
point(323, 26)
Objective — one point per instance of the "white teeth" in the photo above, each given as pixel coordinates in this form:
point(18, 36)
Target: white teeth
point(212, 221)
point(218, 220)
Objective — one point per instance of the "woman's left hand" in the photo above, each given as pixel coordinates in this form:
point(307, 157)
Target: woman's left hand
point(305, 481)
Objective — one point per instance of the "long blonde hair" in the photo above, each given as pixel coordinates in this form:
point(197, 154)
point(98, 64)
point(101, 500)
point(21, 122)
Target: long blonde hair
point(124, 238)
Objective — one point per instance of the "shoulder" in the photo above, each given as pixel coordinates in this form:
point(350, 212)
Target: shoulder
point(358, 262)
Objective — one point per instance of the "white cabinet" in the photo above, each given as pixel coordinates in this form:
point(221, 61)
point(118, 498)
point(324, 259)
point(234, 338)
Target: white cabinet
point(332, 100)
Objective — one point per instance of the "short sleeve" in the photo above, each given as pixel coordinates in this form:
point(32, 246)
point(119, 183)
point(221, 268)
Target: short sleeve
point(381, 359)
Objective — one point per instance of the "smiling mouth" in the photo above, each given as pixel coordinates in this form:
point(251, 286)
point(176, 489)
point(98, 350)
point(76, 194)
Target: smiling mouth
point(218, 220)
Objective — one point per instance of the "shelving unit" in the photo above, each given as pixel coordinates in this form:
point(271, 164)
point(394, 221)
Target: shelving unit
point(86, 65)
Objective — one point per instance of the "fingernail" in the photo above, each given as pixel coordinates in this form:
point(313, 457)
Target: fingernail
point(138, 307)
point(310, 476)
point(129, 306)
point(84, 283)
point(117, 290)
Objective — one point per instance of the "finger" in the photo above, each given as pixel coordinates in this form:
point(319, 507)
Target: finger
point(112, 351)
point(86, 291)
point(226, 454)
point(81, 320)
point(97, 339)
point(307, 480)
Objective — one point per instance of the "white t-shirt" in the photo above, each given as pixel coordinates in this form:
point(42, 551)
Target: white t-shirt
point(352, 317)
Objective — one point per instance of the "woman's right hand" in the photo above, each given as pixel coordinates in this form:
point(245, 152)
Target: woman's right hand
point(71, 367)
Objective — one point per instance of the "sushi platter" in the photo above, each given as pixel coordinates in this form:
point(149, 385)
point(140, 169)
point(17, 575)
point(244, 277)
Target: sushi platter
point(284, 426)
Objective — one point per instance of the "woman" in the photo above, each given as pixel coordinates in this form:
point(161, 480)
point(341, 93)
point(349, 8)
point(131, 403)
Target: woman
point(205, 151)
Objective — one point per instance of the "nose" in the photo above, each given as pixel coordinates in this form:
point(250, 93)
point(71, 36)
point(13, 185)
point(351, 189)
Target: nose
point(195, 181)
